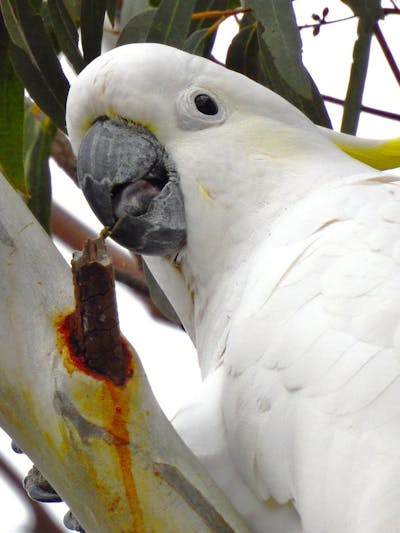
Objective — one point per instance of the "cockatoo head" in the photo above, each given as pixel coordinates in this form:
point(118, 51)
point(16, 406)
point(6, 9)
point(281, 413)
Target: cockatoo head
point(167, 141)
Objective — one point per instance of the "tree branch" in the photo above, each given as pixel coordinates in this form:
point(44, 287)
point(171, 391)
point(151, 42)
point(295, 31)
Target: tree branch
point(97, 441)
point(364, 108)
point(387, 52)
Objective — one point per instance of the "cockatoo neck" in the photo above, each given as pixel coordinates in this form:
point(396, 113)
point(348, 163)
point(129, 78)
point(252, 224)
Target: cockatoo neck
point(225, 230)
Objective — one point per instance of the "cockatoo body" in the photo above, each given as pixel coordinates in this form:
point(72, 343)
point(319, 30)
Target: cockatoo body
point(280, 255)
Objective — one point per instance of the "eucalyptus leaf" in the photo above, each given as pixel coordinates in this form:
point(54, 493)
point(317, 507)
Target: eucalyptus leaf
point(37, 172)
point(203, 6)
point(367, 9)
point(111, 9)
point(42, 50)
point(66, 33)
point(198, 42)
point(132, 8)
point(282, 37)
point(171, 22)
point(11, 117)
point(92, 23)
point(158, 297)
point(202, 43)
point(12, 24)
point(250, 55)
point(36, 84)
point(137, 29)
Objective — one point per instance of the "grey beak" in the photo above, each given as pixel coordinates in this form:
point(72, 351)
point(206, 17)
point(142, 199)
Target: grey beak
point(132, 186)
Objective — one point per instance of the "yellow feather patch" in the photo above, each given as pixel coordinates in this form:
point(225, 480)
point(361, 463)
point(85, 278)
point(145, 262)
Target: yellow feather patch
point(379, 154)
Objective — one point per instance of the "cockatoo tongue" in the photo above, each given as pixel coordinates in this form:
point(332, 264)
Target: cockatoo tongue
point(135, 197)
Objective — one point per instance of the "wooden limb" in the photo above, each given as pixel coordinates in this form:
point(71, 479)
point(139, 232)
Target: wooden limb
point(97, 438)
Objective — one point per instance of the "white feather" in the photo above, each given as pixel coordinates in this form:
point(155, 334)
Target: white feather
point(289, 286)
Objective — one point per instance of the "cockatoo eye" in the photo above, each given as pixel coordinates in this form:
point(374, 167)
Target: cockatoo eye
point(197, 108)
point(205, 104)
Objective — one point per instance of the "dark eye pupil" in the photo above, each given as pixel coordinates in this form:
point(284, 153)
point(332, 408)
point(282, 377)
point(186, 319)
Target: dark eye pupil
point(205, 104)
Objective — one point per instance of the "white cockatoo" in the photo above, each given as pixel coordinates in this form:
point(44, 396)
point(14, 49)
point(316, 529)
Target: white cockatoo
point(281, 256)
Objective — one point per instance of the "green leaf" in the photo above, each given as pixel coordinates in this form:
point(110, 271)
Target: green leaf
point(282, 38)
point(42, 50)
point(36, 85)
point(250, 54)
point(92, 23)
point(207, 5)
point(111, 8)
point(12, 24)
point(66, 33)
point(158, 297)
point(198, 43)
point(137, 29)
point(132, 8)
point(36, 5)
point(367, 9)
point(202, 43)
point(37, 171)
point(172, 22)
point(11, 117)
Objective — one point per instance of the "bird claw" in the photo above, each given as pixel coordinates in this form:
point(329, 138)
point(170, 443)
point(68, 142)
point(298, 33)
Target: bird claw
point(70, 522)
point(38, 488)
point(15, 447)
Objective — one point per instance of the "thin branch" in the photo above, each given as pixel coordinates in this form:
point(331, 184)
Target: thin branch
point(364, 108)
point(220, 13)
point(387, 52)
point(391, 10)
point(324, 22)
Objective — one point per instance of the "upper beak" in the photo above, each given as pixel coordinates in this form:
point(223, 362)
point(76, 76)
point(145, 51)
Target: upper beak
point(132, 186)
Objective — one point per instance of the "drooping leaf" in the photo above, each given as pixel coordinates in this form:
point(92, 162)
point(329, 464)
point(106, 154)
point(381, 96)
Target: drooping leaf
point(92, 22)
point(11, 117)
point(158, 297)
point(38, 140)
point(171, 22)
point(111, 9)
point(36, 5)
point(202, 43)
point(132, 8)
point(282, 38)
point(42, 50)
point(203, 6)
point(12, 24)
point(137, 29)
point(66, 33)
point(250, 54)
point(367, 9)
point(198, 42)
point(36, 85)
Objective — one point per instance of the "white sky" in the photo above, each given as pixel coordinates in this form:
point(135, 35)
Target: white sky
point(167, 353)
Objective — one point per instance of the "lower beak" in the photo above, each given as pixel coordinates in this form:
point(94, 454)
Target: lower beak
point(132, 186)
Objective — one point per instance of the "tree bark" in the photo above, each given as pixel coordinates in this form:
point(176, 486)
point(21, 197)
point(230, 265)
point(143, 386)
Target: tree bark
point(103, 444)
